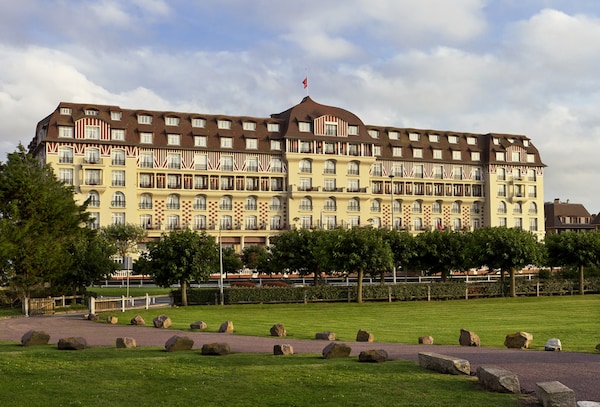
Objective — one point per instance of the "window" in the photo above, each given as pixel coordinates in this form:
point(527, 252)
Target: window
point(353, 149)
point(226, 222)
point(305, 166)
point(393, 135)
point(146, 138)
point(117, 134)
point(437, 154)
point(456, 155)
point(147, 159)
point(455, 208)
point(376, 205)
point(471, 140)
point(353, 130)
point(251, 203)
point(251, 223)
point(118, 218)
point(496, 141)
point(93, 199)
point(354, 205)
point(252, 164)
point(92, 177)
point(92, 156)
point(532, 191)
point(377, 170)
point(398, 170)
point(226, 163)
point(518, 223)
point(417, 207)
point(226, 142)
point(518, 208)
point(94, 220)
point(200, 222)
point(306, 204)
point(172, 222)
point(276, 145)
point(397, 151)
point(305, 184)
point(374, 133)
point(436, 207)
point(144, 119)
point(251, 144)
point(329, 167)
point(91, 112)
point(331, 129)
point(502, 190)
point(475, 156)
point(418, 224)
point(329, 184)
point(304, 127)
point(224, 124)
point(146, 181)
point(457, 173)
point(65, 132)
point(198, 122)
point(174, 160)
point(414, 136)
point(92, 132)
point(533, 224)
point(173, 201)
point(116, 115)
point(65, 175)
point(456, 224)
point(65, 111)
point(453, 139)
point(118, 157)
point(376, 150)
point(418, 171)
point(353, 185)
point(65, 155)
point(525, 143)
point(438, 172)
point(275, 223)
point(329, 222)
point(118, 178)
point(353, 168)
point(145, 201)
point(477, 174)
point(417, 153)
point(173, 139)
point(118, 200)
point(276, 165)
point(516, 156)
point(500, 156)
point(354, 221)
point(173, 181)
point(475, 207)
point(434, 138)
point(502, 222)
point(501, 174)
point(531, 158)
point(329, 148)
point(501, 207)
point(172, 121)
point(275, 204)
point(225, 203)
point(200, 141)
point(200, 162)
point(273, 127)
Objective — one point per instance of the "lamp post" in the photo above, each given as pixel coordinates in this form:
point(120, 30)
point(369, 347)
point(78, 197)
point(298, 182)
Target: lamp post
point(392, 216)
point(221, 296)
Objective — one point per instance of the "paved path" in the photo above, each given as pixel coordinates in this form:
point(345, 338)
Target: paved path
point(578, 371)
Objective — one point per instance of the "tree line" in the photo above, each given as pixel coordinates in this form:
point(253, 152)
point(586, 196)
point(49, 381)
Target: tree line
point(46, 243)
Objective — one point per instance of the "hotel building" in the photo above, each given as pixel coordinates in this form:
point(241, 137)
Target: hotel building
point(310, 166)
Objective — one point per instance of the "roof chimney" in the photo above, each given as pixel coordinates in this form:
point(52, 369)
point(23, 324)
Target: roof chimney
point(556, 200)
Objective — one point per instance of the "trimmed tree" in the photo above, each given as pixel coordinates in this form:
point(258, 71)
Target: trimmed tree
point(441, 252)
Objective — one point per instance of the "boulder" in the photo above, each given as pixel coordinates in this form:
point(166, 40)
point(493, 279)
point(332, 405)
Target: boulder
point(126, 342)
point(555, 394)
point(138, 320)
point(72, 343)
point(519, 340)
point(177, 343)
point(598, 347)
point(326, 336)
point(226, 327)
point(162, 321)
point(336, 350)
point(444, 364)
point(553, 345)
point(468, 338)
point(373, 355)
point(426, 340)
point(111, 319)
point(278, 330)
point(495, 378)
point(218, 349)
point(283, 349)
point(364, 336)
point(198, 325)
point(92, 317)
point(33, 338)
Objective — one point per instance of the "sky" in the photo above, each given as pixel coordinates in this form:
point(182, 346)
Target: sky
point(503, 66)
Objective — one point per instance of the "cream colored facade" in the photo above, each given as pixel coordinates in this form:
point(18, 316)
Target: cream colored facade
point(246, 179)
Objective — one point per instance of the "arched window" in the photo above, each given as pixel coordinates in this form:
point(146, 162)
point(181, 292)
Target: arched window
point(455, 207)
point(330, 204)
point(532, 208)
point(200, 202)
point(225, 203)
point(501, 207)
point(354, 205)
point(173, 201)
point(65, 155)
point(93, 199)
point(251, 204)
point(118, 200)
point(475, 207)
point(417, 207)
point(397, 205)
point(305, 165)
point(329, 167)
point(353, 168)
point(376, 205)
point(306, 204)
point(145, 201)
point(275, 204)
point(436, 207)
point(118, 157)
point(518, 208)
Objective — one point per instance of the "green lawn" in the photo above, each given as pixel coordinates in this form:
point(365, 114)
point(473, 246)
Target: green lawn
point(99, 376)
point(575, 320)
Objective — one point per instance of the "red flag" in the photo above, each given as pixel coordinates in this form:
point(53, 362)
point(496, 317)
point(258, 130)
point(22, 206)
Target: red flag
point(305, 82)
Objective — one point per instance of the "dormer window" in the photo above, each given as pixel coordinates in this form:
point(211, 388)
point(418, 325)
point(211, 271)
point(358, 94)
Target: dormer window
point(353, 130)
point(249, 126)
point(91, 112)
point(224, 124)
point(273, 127)
point(393, 135)
point(525, 143)
point(471, 140)
point(414, 136)
point(453, 139)
point(116, 115)
point(304, 127)
point(434, 138)
point(374, 133)
point(144, 119)
point(172, 121)
point(331, 129)
point(197, 122)
point(65, 111)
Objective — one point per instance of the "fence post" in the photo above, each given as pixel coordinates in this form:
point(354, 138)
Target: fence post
point(63, 300)
point(537, 289)
point(389, 294)
point(428, 292)
point(467, 292)
point(122, 303)
point(147, 301)
point(92, 307)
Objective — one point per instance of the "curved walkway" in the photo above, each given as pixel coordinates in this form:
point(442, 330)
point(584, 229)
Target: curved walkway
point(578, 371)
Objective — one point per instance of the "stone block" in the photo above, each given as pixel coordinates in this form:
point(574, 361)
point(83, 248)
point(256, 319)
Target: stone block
point(198, 325)
point(226, 327)
point(555, 394)
point(468, 338)
point(216, 349)
point(553, 345)
point(495, 378)
point(162, 321)
point(519, 340)
point(126, 342)
point(137, 320)
point(111, 319)
point(72, 343)
point(283, 349)
point(278, 330)
point(444, 364)
point(373, 355)
point(34, 338)
point(336, 350)
point(364, 336)
point(178, 343)
point(426, 340)
point(326, 336)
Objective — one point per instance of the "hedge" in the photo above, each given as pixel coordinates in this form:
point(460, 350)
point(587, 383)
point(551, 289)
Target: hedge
point(377, 292)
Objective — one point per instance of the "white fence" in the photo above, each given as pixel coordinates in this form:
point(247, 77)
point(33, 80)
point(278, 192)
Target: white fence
point(123, 303)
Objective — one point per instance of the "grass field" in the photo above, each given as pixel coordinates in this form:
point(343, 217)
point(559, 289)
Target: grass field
point(575, 320)
point(44, 376)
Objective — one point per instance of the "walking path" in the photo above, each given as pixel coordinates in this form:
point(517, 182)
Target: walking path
point(578, 371)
